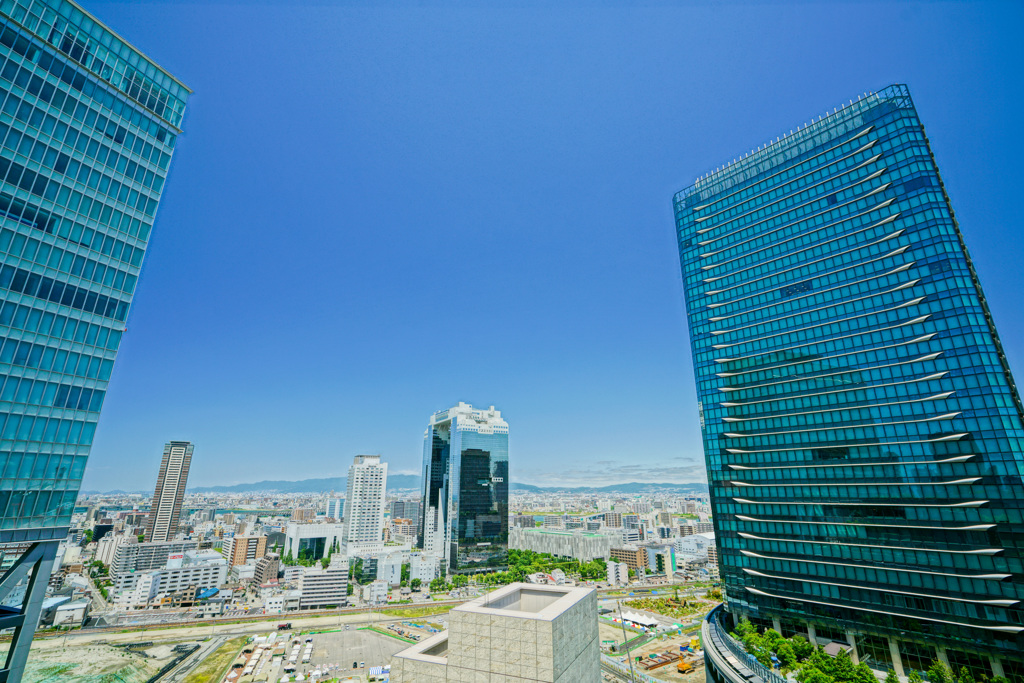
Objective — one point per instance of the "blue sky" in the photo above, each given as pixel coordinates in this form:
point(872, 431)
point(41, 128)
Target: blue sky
point(376, 212)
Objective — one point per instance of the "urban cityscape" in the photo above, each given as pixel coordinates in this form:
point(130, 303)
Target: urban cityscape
point(853, 513)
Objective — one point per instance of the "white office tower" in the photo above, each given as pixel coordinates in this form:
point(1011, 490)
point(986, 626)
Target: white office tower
point(364, 505)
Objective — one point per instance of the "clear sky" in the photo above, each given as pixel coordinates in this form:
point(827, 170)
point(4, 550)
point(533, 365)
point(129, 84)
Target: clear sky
point(376, 212)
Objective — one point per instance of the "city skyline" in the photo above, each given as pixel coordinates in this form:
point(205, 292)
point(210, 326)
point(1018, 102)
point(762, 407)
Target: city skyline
point(533, 164)
point(362, 194)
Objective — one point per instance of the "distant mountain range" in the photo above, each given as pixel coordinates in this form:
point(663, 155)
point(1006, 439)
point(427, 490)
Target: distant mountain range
point(632, 487)
point(411, 481)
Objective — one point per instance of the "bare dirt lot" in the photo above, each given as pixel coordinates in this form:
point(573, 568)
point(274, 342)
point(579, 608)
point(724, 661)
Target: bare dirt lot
point(93, 663)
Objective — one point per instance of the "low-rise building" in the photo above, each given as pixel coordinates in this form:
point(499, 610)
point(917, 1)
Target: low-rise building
point(425, 567)
point(199, 570)
point(694, 548)
point(634, 557)
point(244, 549)
point(618, 573)
point(143, 557)
point(517, 633)
point(661, 559)
point(313, 540)
point(107, 546)
point(267, 568)
point(321, 586)
point(242, 573)
point(376, 592)
point(577, 543)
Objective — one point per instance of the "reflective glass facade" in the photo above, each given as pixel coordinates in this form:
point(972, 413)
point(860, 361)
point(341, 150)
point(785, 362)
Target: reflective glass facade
point(87, 130)
point(861, 426)
point(464, 517)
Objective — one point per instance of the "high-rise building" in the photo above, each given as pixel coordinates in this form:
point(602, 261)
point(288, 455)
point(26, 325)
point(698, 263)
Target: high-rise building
point(465, 488)
point(87, 130)
point(165, 510)
point(861, 425)
point(364, 518)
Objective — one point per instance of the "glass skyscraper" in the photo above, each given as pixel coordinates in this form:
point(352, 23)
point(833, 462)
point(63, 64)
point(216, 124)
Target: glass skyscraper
point(87, 129)
point(862, 430)
point(464, 519)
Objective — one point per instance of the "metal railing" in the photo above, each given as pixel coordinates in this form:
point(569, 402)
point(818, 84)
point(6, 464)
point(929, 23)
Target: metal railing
point(719, 634)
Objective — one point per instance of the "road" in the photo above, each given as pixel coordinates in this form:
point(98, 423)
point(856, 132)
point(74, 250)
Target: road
point(179, 674)
point(98, 603)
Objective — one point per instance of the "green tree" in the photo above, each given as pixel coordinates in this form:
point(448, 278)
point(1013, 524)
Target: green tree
point(142, 538)
point(965, 675)
point(811, 674)
point(802, 647)
point(939, 673)
point(88, 535)
point(821, 661)
point(864, 674)
point(914, 676)
point(842, 668)
point(743, 628)
point(415, 584)
point(891, 677)
point(786, 654)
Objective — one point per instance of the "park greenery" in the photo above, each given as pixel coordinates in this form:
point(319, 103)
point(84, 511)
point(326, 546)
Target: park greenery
point(810, 664)
point(522, 563)
point(674, 607)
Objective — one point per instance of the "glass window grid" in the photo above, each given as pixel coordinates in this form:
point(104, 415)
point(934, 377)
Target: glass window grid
point(957, 323)
point(54, 361)
point(110, 58)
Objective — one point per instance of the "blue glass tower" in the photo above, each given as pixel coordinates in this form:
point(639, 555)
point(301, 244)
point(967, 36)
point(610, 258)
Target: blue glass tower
point(862, 430)
point(87, 129)
point(464, 519)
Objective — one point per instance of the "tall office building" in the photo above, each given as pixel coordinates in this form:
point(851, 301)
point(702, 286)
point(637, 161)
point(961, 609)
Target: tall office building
point(364, 514)
point(165, 509)
point(87, 129)
point(861, 425)
point(464, 517)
